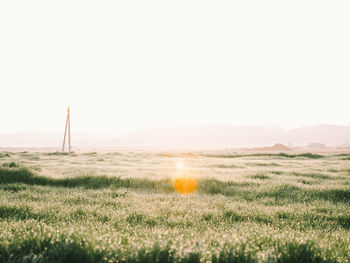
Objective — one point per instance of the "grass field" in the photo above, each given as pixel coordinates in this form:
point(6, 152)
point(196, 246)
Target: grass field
point(122, 207)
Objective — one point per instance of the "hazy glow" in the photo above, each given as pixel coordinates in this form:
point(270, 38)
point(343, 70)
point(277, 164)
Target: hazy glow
point(180, 166)
point(124, 65)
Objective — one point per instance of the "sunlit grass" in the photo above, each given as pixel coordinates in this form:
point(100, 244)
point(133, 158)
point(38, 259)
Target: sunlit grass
point(127, 208)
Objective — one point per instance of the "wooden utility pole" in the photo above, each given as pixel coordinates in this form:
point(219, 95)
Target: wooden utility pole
point(65, 132)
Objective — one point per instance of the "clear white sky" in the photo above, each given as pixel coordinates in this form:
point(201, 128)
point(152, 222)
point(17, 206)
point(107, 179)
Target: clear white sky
point(124, 65)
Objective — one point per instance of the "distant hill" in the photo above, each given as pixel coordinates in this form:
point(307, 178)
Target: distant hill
point(276, 148)
point(237, 136)
point(220, 136)
point(49, 139)
point(206, 136)
point(202, 136)
point(330, 135)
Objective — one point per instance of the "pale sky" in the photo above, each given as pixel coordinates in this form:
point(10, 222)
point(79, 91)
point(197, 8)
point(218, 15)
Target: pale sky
point(125, 65)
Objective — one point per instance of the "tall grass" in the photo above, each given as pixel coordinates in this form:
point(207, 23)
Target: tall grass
point(4, 155)
point(74, 248)
point(128, 211)
point(26, 176)
point(238, 190)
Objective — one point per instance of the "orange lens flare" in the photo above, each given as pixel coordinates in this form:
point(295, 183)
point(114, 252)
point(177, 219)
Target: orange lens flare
point(185, 184)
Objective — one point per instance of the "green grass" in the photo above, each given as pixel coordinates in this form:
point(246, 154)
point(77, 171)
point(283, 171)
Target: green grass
point(260, 176)
point(125, 209)
point(263, 164)
point(72, 248)
point(238, 190)
point(26, 176)
point(4, 155)
point(226, 166)
point(312, 175)
point(10, 165)
point(277, 172)
point(59, 153)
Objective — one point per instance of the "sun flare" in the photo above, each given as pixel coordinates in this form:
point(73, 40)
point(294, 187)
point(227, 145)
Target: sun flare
point(185, 184)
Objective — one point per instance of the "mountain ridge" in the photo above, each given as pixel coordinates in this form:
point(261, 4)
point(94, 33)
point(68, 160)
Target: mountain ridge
point(205, 136)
